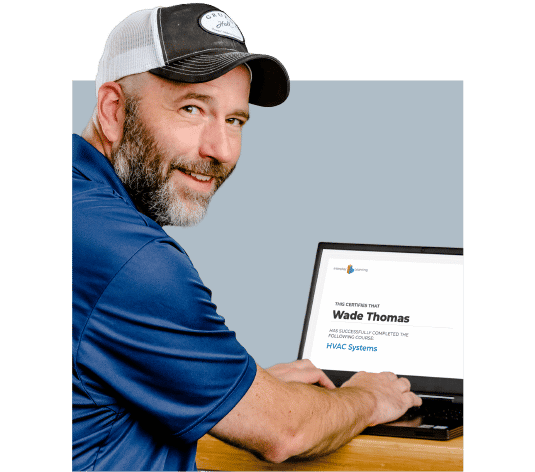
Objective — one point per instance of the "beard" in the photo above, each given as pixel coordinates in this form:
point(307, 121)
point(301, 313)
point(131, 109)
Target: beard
point(145, 168)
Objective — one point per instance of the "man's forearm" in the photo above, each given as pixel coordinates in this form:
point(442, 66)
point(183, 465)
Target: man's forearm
point(336, 417)
point(277, 420)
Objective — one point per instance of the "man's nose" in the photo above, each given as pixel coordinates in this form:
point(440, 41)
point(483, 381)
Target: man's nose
point(216, 142)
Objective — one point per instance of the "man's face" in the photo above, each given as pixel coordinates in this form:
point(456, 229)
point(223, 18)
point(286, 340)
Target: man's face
point(180, 142)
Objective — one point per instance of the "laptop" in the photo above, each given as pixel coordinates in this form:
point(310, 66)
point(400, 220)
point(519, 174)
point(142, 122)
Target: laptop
point(382, 308)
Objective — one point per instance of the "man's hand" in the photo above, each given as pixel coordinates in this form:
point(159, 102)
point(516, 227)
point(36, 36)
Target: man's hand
point(281, 416)
point(392, 394)
point(301, 371)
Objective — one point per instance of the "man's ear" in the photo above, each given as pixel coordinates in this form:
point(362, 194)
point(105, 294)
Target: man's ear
point(110, 108)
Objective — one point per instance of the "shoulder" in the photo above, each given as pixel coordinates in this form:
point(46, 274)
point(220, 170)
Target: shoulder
point(103, 221)
point(109, 235)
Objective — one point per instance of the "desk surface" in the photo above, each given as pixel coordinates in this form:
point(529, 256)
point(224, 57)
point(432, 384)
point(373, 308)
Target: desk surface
point(362, 453)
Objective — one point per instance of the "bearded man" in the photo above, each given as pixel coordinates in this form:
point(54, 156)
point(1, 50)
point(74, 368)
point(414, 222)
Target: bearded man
point(154, 366)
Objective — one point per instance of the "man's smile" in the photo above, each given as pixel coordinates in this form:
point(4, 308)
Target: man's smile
point(204, 177)
point(201, 177)
point(197, 182)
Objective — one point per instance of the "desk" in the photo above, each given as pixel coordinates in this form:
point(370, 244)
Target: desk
point(362, 453)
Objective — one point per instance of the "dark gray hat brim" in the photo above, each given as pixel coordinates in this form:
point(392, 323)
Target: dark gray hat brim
point(270, 84)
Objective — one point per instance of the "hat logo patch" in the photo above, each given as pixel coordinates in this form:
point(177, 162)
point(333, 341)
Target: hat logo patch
point(219, 23)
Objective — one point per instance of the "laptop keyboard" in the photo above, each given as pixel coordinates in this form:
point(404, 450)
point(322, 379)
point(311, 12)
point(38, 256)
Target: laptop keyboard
point(439, 410)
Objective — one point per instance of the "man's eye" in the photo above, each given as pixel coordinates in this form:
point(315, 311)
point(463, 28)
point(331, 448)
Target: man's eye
point(191, 109)
point(235, 122)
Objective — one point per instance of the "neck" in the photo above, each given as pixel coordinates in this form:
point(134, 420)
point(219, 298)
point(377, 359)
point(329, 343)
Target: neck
point(93, 135)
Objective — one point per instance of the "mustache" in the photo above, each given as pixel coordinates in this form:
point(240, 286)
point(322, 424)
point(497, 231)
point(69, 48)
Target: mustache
point(211, 168)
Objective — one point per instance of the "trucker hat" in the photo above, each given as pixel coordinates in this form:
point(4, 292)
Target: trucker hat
point(189, 43)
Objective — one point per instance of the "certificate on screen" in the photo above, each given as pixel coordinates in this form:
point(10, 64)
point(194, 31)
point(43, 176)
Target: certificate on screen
point(386, 309)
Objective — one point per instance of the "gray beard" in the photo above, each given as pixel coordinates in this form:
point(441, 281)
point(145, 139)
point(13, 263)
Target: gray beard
point(137, 161)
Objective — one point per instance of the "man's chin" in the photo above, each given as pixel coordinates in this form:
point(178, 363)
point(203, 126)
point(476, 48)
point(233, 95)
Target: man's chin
point(180, 213)
point(189, 219)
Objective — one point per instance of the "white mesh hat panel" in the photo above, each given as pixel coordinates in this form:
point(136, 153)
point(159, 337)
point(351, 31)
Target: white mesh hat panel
point(132, 47)
point(182, 43)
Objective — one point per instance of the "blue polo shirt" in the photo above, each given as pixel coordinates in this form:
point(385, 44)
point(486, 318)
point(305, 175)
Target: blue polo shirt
point(154, 366)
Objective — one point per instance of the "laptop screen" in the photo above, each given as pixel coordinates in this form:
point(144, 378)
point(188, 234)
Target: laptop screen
point(387, 308)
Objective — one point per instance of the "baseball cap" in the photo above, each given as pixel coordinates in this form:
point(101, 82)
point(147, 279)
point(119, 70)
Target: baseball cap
point(189, 43)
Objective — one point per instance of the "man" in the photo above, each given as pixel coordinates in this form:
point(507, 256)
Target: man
point(154, 366)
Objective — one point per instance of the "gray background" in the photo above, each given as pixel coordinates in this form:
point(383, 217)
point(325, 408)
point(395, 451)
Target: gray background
point(355, 162)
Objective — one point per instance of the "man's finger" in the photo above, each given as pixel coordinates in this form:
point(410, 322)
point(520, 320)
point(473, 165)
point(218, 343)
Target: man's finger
point(324, 381)
point(390, 375)
point(404, 384)
point(414, 400)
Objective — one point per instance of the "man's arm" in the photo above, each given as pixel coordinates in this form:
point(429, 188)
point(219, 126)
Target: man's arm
point(279, 419)
point(301, 370)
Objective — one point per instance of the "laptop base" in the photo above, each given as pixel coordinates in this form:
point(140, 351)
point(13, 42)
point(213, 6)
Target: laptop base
point(435, 419)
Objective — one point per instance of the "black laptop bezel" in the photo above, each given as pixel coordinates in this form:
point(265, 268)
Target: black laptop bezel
point(448, 387)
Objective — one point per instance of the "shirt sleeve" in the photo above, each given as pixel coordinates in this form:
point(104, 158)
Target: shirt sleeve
point(155, 340)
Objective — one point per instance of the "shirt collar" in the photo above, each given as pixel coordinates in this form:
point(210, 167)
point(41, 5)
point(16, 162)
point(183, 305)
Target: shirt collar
point(95, 166)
